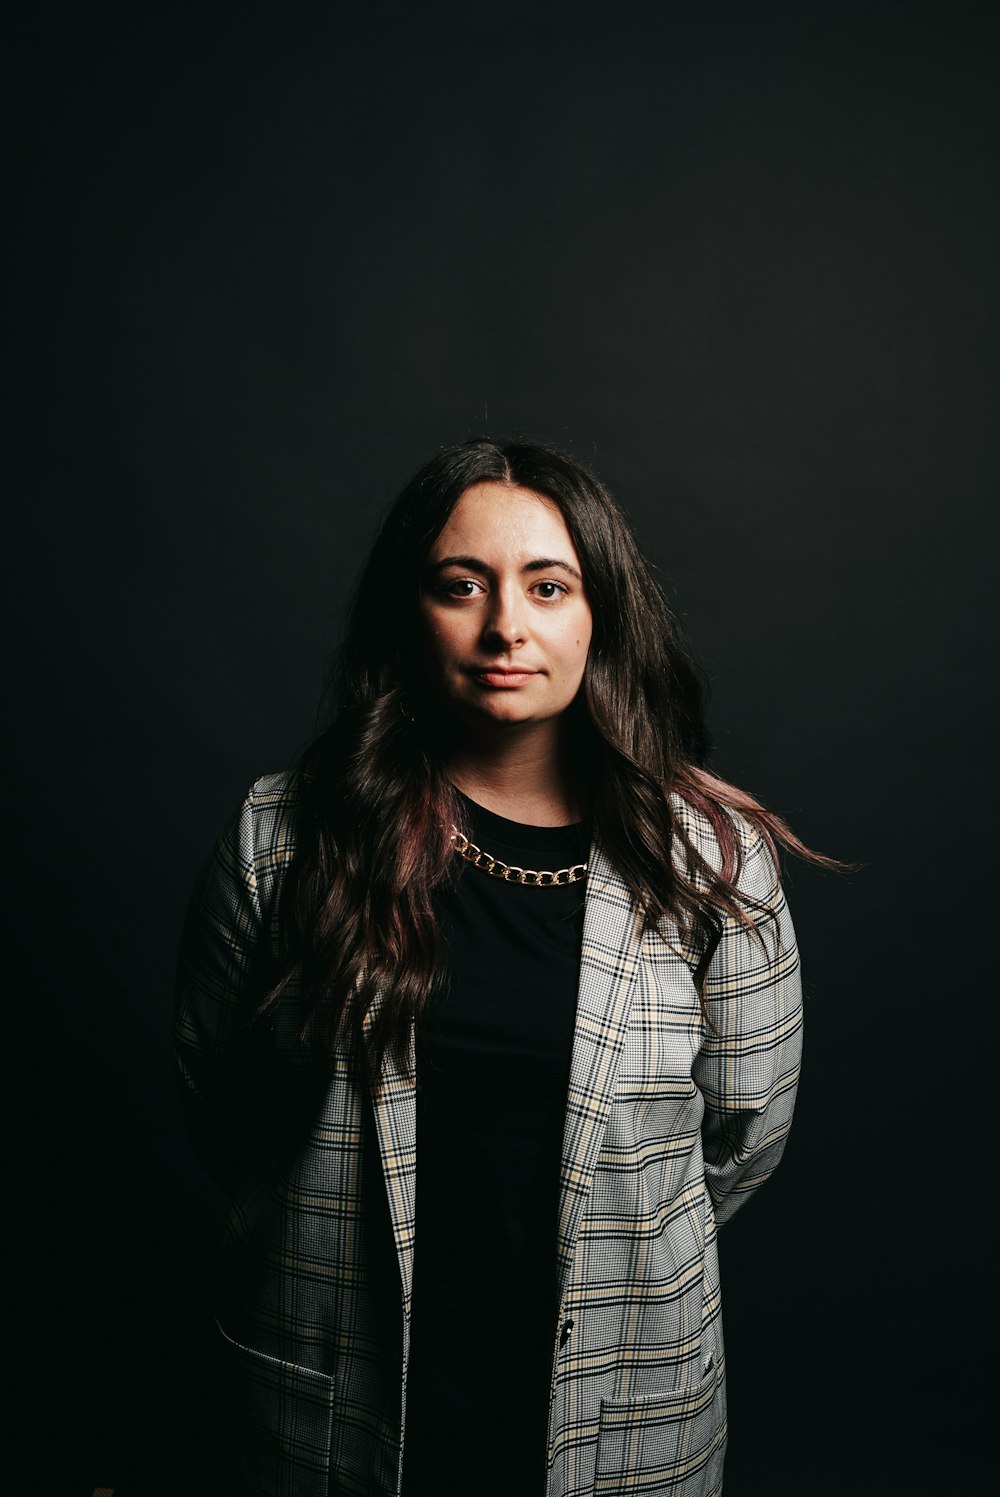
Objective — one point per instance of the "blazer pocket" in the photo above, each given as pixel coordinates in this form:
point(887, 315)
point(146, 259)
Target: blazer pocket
point(674, 1442)
point(283, 1423)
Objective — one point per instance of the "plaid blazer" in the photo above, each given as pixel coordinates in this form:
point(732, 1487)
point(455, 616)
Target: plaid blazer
point(670, 1124)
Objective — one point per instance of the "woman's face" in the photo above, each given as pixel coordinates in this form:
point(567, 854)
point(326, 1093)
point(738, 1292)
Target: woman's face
point(505, 619)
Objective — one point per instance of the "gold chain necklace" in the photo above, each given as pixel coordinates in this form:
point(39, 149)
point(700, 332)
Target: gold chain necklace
point(509, 872)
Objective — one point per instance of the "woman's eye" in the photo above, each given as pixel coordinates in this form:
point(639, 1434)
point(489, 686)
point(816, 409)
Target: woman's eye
point(469, 587)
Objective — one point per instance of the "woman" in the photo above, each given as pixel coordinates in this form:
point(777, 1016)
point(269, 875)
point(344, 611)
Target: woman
point(488, 1014)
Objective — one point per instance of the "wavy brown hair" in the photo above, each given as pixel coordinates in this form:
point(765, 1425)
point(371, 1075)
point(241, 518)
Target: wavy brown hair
point(376, 803)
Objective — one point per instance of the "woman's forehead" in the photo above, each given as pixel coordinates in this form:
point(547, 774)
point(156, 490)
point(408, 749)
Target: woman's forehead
point(505, 519)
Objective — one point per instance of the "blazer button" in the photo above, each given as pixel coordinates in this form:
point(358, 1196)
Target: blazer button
point(564, 1334)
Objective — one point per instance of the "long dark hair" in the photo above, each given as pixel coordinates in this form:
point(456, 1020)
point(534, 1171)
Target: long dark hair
point(376, 803)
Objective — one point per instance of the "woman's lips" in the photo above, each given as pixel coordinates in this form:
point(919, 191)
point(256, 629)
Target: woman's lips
point(503, 678)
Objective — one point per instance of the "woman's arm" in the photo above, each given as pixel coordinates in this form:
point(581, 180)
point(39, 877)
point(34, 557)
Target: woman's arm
point(748, 1067)
point(216, 993)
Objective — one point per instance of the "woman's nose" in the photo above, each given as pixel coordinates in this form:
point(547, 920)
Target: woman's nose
point(506, 623)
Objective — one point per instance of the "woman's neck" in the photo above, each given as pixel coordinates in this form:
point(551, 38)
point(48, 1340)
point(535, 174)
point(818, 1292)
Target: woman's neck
point(525, 778)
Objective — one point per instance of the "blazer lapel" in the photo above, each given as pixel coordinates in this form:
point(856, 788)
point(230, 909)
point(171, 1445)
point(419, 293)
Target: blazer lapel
point(609, 960)
point(395, 1110)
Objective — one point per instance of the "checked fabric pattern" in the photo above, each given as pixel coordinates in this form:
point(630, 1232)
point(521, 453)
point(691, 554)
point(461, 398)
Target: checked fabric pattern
point(670, 1124)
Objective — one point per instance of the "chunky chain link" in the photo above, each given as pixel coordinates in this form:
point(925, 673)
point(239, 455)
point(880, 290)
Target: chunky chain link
point(509, 872)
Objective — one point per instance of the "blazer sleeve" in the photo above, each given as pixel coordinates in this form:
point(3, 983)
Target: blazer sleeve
point(748, 1067)
point(217, 993)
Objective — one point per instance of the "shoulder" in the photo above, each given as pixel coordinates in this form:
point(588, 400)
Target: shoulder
point(275, 795)
point(757, 874)
point(697, 827)
point(269, 820)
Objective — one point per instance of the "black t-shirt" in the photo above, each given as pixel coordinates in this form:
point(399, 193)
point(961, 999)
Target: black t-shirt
point(493, 1056)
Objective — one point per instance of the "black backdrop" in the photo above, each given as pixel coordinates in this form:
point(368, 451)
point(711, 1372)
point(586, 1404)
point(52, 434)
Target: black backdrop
point(267, 258)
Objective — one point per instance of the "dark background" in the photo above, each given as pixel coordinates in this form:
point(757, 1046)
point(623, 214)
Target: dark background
point(266, 260)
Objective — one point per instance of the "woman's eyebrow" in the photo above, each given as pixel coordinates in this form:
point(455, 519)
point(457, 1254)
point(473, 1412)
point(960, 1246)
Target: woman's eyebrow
point(545, 562)
point(473, 564)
